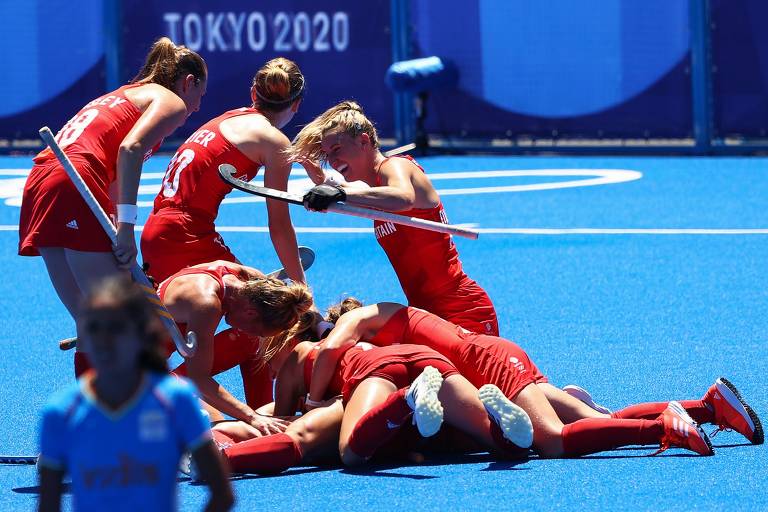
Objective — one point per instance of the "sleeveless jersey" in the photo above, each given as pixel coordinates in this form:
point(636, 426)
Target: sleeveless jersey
point(217, 273)
point(192, 179)
point(426, 263)
point(93, 136)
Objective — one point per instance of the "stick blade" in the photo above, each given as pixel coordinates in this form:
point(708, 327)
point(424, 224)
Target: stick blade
point(18, 459)
point(307, 258)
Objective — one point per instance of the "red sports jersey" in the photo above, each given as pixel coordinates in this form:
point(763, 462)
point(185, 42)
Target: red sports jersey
point(192, 181)
point(216, 272)
point(480, 359)
point(363, 361)
point(53, 214)
point(430, 273)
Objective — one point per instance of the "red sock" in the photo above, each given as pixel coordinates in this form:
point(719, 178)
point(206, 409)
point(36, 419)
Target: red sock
point(598, 434)
point(257, 382)
point(379, 425)
point(82, 364)
point(266, 455)
point(697, 409)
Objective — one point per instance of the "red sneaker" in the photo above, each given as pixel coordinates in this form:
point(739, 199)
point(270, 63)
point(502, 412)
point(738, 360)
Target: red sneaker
point(732, 412)
point(681, 431)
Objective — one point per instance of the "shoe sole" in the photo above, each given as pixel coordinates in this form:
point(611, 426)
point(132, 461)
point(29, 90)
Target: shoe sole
point(511, 419)
point(680, 410)
point(732, 395)
point(428, 413)
point(583, 396)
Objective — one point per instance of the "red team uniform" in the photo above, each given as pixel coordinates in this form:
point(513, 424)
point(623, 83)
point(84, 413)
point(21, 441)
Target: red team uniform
point(481, 359)
point(430, 273)
point(231, 347)
point(180, 231)
point(53, 214)
point(399, 364)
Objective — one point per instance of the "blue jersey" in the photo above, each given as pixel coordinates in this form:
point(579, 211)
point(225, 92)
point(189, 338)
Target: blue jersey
point(125, 459)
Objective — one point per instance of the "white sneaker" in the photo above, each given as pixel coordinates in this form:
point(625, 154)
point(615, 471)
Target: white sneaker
point(583, 395)
point(511, 419)
point(422, 399)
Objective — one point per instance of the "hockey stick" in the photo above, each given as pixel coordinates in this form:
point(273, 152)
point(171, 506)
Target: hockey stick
point(400, 149)
point(18, 459)
point(227, 173)
point(185, 346)
point(306, 256)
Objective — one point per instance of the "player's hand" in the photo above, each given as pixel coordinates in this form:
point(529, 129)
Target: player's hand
point(319, 198)
point(125, 250)
point(268, 424)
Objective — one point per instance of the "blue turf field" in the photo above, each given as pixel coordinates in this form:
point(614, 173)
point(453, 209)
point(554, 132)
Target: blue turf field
point(638, 290)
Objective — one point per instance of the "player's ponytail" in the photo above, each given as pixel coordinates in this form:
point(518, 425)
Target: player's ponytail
point(279, 304)
point(277, 85)
point(166, 62)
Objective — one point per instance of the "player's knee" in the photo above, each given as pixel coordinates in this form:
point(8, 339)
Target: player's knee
point(348, 457)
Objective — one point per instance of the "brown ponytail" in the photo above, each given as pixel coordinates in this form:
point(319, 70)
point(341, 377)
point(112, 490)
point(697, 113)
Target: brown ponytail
point(166, 63)
point(279, 304)
point(348, 304)
point(277, 85)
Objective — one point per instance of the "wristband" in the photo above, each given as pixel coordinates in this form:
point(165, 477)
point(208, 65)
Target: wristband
point(127, 213)
point(308, 401)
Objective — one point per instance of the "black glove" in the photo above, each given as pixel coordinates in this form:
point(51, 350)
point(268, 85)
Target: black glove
point(322, 196)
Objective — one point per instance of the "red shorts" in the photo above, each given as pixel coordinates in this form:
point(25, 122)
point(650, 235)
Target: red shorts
point(399, 364)
point(469, 306)
point(54, 214)
point(491, 360)
point(174, 239)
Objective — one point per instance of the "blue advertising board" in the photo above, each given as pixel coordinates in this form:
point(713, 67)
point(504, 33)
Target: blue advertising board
point(559, 68)
point(343, 48)
point(739, 45)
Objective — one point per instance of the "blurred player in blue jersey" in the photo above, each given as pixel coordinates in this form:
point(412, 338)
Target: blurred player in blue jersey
point(120, 431)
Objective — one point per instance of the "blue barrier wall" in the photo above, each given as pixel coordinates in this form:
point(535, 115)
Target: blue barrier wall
point(560, 68)
point(689, 74)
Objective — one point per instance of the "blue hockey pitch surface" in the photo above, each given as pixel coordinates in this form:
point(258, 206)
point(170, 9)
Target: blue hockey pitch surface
point(640, 279)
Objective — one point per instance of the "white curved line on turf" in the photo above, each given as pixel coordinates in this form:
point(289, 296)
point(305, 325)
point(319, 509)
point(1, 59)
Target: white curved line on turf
point(11, 189)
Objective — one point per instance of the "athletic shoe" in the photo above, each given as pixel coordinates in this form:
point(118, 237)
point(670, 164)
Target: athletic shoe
point(680, 430)
point(511, 419)
point(422, 399)
point(583, 395)
point(732, 412)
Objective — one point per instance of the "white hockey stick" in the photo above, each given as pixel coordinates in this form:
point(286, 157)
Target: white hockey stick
point(185, 346)
point(227, 173)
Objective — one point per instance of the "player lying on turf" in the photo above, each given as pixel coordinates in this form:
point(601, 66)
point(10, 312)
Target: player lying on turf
point(119, 432)
point(374, 382)
point(491, 360)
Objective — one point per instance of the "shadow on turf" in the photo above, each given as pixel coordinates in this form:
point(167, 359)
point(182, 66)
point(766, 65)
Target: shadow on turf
point(35, 489)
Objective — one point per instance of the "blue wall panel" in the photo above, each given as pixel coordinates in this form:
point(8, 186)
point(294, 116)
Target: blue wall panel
point(343, 49)
point(561, 67)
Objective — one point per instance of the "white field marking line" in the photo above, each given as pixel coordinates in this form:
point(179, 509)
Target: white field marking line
point(506, 231)
point(11, 189)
